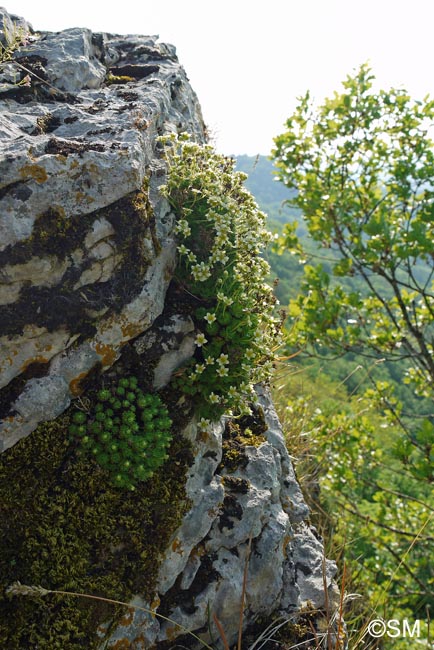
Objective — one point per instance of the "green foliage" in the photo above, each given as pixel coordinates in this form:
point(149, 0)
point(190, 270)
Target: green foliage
point(373, 510)
point(66, 526)
point(127, 432)
point(362, 165)
point(222, 233)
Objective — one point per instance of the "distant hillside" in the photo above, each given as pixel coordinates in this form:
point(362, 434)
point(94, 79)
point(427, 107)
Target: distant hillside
point(271, 195)
point(261, 182)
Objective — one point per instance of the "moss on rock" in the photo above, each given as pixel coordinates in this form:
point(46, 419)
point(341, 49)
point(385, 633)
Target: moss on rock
point(245, 431)
point(64, 526)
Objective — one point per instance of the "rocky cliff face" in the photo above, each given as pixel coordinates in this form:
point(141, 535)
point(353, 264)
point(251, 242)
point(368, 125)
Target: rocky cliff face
point(87, 257)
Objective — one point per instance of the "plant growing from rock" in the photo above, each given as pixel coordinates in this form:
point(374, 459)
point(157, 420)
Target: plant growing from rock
point(127, 432)
point(12, 41)
point(221, 234)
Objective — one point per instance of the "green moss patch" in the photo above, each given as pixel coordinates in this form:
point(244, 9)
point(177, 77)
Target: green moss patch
point(248, 430)
point(65, 526)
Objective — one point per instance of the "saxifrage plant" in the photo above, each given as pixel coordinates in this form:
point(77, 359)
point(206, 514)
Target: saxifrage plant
point(221, 235)
point(127, 432)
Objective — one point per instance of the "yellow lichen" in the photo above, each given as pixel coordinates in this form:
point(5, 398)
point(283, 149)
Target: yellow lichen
point(36, 172)
point(118, 79)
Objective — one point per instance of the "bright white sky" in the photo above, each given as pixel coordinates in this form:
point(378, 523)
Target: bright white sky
point(249, 60)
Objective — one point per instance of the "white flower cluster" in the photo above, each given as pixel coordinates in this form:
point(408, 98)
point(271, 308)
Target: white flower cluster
point(222, 233)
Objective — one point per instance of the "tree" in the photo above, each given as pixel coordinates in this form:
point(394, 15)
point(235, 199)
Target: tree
point(362, 167)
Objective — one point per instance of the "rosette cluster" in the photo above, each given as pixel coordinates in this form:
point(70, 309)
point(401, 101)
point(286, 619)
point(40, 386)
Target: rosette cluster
point(127, 432)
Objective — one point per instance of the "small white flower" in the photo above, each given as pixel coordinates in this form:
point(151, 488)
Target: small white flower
point(232, 392)
point(220, 256)
point(224, 299)
point(221, 240)
point(183, 228)
point(183, 250)
point(213, 398)
point(223, 359)
point(203, 424)
point(210, 318)
point(209, 361)
point(201, 272)
point(222, 371)
point(200, 340)
point(200, 367)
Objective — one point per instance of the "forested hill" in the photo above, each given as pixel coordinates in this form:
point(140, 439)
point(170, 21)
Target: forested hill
point(261, 182)
point(271, 196)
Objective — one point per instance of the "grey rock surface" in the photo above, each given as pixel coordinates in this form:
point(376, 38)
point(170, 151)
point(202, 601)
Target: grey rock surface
point(87, 253)
point(78, 160)
point(250, 516)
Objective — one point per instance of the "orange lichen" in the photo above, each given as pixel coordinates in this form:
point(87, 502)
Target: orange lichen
point(75, 385)
point(198, 551)
point(204, 436)
point(172, 632)
point(36, 172)
point(81, 197)
point(28, 362)
point(177, 546)
point(286, 540)
point(127, 618)
point(155, 604)
point(130, 330)
point(140, 642)
point(122, 644)
point(107, 353)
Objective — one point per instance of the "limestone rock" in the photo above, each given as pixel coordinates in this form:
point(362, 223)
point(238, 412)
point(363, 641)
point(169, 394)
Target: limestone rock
point(239, 517)
point(11, 25)
point(87, 254)
point(79, 174)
